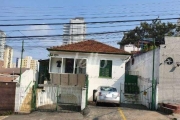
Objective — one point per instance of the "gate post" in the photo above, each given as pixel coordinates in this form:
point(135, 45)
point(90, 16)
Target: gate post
point(33, 102)
point(87, 86)
point(57, 97)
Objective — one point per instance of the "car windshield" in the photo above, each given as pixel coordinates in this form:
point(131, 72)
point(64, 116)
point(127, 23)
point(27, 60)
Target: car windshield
point(111, 89)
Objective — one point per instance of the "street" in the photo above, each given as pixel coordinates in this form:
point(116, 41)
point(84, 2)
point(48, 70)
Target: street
point(103, 112)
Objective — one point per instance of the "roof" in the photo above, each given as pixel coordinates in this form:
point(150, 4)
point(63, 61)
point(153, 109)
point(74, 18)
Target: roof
point(89, 46)
point(12, 70)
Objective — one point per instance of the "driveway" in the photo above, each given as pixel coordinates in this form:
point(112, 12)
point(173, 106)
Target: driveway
point(125, 112)
point(103, 112)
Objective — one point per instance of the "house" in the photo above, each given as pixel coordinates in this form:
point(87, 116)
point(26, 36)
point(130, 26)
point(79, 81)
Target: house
point(130, 48)
point(104, 64)
point(166, 73)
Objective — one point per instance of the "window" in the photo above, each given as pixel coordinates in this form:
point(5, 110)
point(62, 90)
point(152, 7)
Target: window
point(108, 89)
point(105, 68)
point(69, 64)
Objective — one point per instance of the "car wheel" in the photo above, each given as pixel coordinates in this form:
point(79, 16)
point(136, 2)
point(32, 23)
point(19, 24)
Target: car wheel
point(117, 105)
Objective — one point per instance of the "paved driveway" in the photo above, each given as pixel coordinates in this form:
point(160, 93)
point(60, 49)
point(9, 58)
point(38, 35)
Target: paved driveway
point(104, 112)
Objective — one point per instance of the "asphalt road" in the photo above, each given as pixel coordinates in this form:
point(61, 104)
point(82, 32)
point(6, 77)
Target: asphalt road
point(103, 112)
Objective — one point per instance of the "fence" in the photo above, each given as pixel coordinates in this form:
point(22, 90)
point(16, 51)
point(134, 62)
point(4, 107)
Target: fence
point(137, 94)
point(61, 98)
point(63, 94)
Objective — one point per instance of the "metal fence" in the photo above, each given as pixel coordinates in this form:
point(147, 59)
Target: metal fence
point(61, 98)
point(136, 94)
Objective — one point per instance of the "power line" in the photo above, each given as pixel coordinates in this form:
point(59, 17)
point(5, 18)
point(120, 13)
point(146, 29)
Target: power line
point(37, 19)
point(72, 28)
point(39, 36)
point(112, 7)
point(109, 13)
point(99, 22)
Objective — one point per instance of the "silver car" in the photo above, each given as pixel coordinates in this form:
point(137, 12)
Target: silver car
point(106, 94)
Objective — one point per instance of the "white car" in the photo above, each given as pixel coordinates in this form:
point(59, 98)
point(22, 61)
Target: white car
point(107, 94)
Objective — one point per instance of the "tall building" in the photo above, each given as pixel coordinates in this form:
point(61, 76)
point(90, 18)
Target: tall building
point(71, 30)
point(28, 62)
point(8, 56)
point(2, 44)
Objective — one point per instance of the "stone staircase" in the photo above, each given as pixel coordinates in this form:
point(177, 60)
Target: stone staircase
point(169, 108)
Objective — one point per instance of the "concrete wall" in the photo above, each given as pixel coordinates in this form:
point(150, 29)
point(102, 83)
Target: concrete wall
point(24, 92)
point(142, 67)
point(169, 75)
point(143, 64)
point(27, 77)
point(92, 69)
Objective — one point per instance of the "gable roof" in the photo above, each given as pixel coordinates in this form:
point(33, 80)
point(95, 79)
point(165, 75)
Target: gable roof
point(89, 46)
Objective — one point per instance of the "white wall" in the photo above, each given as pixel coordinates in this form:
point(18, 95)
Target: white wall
point(143, 68)
point(169, 75)
point(92, 69)
point(27, 77)
point(21, 91)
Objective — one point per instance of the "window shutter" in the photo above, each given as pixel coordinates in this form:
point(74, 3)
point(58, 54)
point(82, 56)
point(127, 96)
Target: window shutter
point(105, 71)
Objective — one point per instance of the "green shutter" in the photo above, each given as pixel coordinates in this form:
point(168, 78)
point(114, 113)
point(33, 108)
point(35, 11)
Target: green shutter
point(106, 71)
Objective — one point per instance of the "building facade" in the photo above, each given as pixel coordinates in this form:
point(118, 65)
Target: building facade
point(28, 62)
point(71, 30)
point(104, 67)
point(2, 44)
point(130, 48)
point(166, 72)
point(8, 56)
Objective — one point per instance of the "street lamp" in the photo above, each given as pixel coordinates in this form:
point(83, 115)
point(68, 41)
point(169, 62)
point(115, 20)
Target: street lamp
point(153, 80)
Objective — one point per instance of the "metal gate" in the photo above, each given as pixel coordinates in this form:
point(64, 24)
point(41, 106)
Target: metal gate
point(7, 96)
point(61, 98)
point(141, 96)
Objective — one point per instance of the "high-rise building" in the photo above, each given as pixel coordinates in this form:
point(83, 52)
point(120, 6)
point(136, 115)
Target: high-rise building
point(2, 44)
point(8, 56)
point(71, 31)
point(28, 62)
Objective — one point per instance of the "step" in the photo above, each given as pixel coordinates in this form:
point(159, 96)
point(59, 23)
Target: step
point(166, 110)
point(171, 106)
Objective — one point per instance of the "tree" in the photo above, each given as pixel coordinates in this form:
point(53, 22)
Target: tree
point(156, 30)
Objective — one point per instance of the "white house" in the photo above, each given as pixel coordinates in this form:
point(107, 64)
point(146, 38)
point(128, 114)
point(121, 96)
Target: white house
point(130, 47)
point(104, 64)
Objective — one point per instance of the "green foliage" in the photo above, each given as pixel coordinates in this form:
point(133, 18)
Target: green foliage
point(6, 113)
point(156, 30)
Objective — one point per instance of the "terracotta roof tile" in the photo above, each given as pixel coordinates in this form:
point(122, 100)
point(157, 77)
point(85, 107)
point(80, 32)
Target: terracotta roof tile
point(89, 46)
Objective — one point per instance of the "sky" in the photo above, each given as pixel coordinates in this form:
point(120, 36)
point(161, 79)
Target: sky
point(61, 11)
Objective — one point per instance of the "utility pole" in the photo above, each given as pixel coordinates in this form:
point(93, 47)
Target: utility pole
point(153, 80)
point(21, 61)
point(153, 104)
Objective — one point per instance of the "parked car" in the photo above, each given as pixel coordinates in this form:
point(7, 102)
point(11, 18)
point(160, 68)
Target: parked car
point(106, 94)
